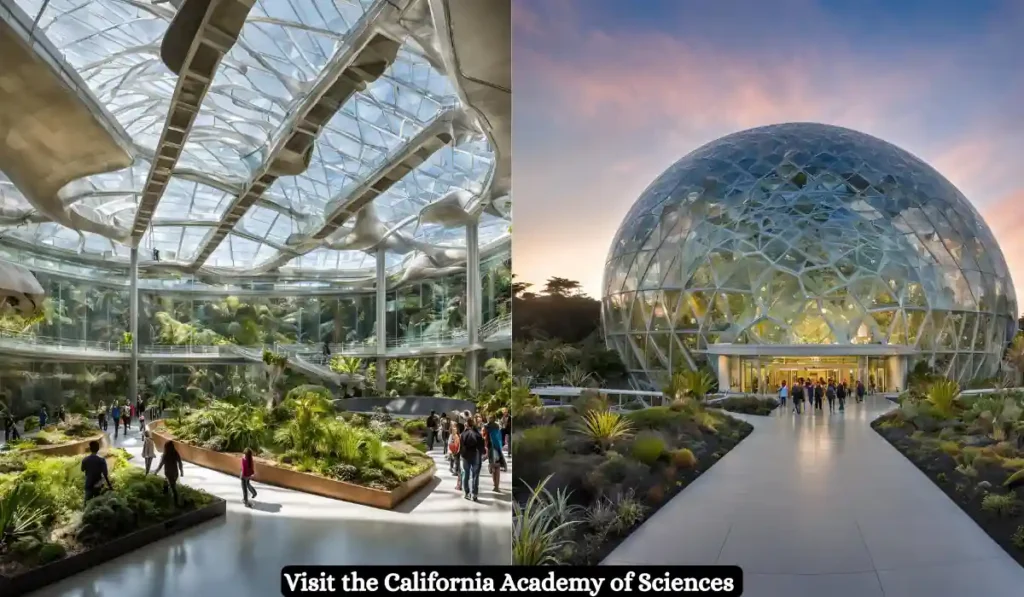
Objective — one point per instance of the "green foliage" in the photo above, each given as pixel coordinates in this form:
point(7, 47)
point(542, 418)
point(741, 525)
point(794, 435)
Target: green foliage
point(655, 417)
point(31, 423)
point(539, 442)
point(751, 405)
point(1018, 538)
point(628, 512)
point(1002, 505)
point(105, 517)
point(20, 512)
point(539, 529)
point(648, 448)
point(274, 360)
point(605, 428)
point(942, 396)
point(590, 400)
point(1015, 478)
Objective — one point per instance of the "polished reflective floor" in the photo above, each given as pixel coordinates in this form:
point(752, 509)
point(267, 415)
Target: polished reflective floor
point(820, 504)
point(242, 554)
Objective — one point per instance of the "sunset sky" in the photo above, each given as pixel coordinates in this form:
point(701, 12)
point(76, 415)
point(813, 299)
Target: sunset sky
point(608, 94)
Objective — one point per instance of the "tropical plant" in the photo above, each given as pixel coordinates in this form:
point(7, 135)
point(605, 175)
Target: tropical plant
point(20, 514)
point(275, 364)
point(942, 396)
point(539, 531)
point(699, 384)
point(605, 427)
point(576, 377)
point(351, 367)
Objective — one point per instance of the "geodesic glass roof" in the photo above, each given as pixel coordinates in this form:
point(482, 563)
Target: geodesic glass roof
point(806, 234)
point(283, 49)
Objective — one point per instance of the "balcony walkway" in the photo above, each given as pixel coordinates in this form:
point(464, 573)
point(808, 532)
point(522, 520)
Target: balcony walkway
point(242, 554)
point(822, 505)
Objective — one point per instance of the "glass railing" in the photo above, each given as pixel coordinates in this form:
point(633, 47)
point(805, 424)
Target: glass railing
point(502, 323)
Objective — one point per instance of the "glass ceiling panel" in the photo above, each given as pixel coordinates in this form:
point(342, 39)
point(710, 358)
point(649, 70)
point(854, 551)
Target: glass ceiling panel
point(268, 224)
point(175, 243)
point(186, 199)
point(11, 199)
point(328, 259)
point(465, 165)
point(51, 234)
point(282, 49)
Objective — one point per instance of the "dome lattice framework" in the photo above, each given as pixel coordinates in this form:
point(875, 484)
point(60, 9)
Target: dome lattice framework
point(806, 234)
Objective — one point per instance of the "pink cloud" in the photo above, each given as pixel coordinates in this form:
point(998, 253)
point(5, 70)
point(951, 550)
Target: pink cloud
point(1006, 219)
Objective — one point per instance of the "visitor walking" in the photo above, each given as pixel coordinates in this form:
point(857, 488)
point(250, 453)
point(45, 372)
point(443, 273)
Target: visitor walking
point(445, 428)
point(327, 351)
point(10, 427)
point(431, 430)
point(42, 416)
point(148, 449)
point(173, 468)
point(101, 416)
point(495, 455)
point(115, 414)
point(860, 391)
point(126, 416)
point(783, 394)
point(798, 395)
point(819, 393)
point(841, 392)
point(248, 471)
point(454, 450)
point(62, 414)
point(95, 468)
point(830, 394)
point(809, 393)
point(161, 404)
point(506, 430)
point(472, 451)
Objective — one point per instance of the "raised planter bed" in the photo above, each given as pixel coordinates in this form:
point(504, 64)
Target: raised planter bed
point(72, 449)
point(271, 474)
point(37, 578)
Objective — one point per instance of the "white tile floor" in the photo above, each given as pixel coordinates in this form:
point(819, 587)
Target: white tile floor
point(821, 505)
point(242, 553)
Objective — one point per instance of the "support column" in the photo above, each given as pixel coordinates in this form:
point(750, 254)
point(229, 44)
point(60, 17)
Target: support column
point(897, 372)
point(474, 312)
point(723, 373)
point(133, 326)
point(382, 323)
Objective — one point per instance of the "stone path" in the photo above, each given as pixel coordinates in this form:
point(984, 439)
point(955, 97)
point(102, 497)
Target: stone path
point(822, 505)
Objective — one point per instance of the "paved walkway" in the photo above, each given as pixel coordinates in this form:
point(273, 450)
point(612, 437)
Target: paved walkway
point(822, 505)
point(242, 553)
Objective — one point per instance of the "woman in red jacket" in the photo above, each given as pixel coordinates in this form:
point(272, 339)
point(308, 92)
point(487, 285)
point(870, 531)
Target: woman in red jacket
point(248, 470)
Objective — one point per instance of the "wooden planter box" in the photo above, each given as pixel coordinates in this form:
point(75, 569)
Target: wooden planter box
point(72, 449)
point(271, 474)
point(37, 578)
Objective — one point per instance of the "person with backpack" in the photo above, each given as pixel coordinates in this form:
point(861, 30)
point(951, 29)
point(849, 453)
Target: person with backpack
point(860, 391)
point(819, 394)
point(115, 414)
point(431, 430)
point(841, 395)
point(830, 394)
point(798, 395)
point(471, 451)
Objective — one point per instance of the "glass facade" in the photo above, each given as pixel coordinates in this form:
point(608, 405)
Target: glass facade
point(805, 234)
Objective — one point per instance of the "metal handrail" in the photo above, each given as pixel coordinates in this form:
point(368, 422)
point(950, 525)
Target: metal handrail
point(495, 325)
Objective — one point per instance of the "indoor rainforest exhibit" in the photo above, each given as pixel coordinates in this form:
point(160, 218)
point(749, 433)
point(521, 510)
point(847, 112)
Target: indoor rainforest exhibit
point(248, 234)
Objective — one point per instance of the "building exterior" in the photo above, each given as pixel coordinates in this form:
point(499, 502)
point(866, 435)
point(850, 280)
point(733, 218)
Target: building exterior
point(803, 249)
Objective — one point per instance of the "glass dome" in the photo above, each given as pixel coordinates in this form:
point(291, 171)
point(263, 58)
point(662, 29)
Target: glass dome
point(806, 234)
point(283, 51)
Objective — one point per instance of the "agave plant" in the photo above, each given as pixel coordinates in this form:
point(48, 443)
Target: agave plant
point(605, 427)
point(577, 377)
point(538, 529)
point(19, 514)
point(942, 395)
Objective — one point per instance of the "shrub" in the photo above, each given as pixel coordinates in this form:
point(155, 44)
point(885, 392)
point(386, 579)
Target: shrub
point(656, 417)
point(655, 495)
point(1002, 505)
point(947, 433)
point(942, 395)
point(684, 458)
point(985, 460)
point(537, 442)
point(51, 552)
point(415, 427)
point(538, 534)
point(1018, 538)
point(31, 423)
point(601, 515)
point(951, 448)
point(605, 428)
point(105, 517)
point(590, 400)
point(628, 512)
point(1005, 449)
point(648, 448)
point(750, 405)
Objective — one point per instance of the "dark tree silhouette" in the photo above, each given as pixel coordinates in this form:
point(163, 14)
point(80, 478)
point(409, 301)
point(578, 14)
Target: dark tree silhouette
point(557, 314)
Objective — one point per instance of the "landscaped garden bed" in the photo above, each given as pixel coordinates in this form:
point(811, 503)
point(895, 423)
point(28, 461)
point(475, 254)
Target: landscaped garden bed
point(47, 532)
point(748, 405)
point(303, 444)
point(972, 449)
point(68, 438)
point(586, 476)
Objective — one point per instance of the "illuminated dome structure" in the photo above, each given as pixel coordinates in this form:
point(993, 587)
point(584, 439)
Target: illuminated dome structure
point(799, 250)
point(283, 175)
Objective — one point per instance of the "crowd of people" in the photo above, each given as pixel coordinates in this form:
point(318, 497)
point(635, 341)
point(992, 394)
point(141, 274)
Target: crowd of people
point(817, 392)
point(468, 441)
